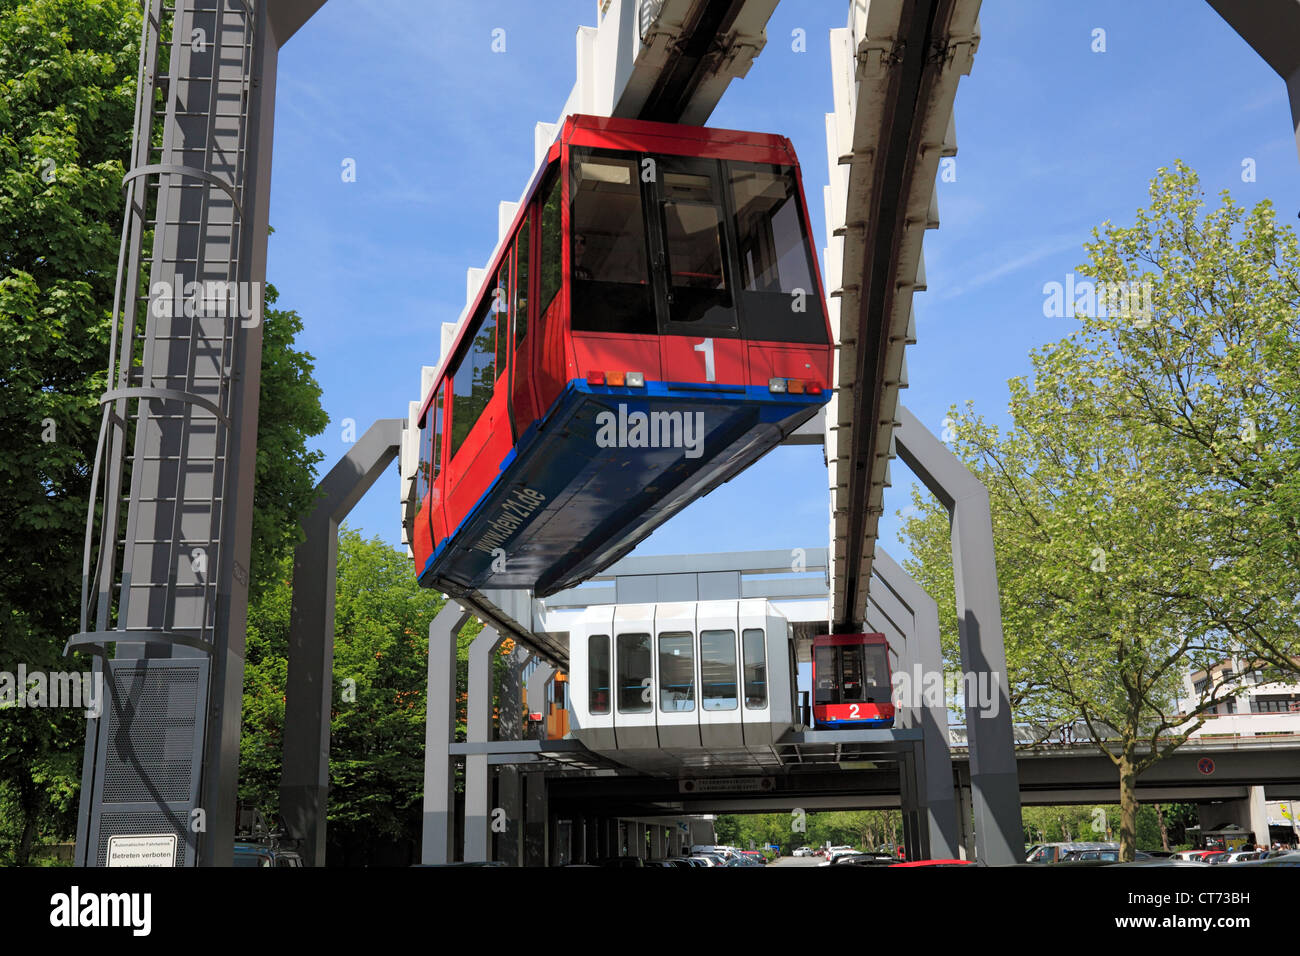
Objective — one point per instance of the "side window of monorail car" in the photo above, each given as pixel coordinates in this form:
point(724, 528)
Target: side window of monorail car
point(424, 474)
point(676, 671)
point(521, 282)
point(610, 291)
point(476, 372)
point(598, 674)
point(501, 305)
point(718, 683)
point(775, 256)
point(824, 664)
point(552, 236)
point(755, 648)
point(430, 447)
point(634, 673)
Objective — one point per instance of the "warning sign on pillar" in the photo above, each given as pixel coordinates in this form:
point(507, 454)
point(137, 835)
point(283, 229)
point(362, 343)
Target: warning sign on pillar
point(1205, 765)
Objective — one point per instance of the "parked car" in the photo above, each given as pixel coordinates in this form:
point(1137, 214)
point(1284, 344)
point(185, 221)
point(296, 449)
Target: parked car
point(802, 851)
point(250, 854)
point(620, 862)
point(754, 855)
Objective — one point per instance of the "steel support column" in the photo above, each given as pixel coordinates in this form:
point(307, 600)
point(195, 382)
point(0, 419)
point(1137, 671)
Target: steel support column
point(478, 728)
point(438, 837)
point(907, 606)
point(309, 694)
point(995, 789)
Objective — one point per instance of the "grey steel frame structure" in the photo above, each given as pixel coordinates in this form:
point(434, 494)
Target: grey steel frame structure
point(995, 790)
point(169, 525)
point(309, 694)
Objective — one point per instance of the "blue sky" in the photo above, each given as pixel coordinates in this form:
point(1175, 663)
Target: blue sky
point(1053, 139)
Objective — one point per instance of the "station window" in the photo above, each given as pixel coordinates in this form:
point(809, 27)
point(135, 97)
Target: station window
point(676, 672)
point(552, 270)
point(718, 682)
point(475, 373)
point(755, 648)
point(598, 674)
point(611, 289)
point(634, 673)
point(775, 256)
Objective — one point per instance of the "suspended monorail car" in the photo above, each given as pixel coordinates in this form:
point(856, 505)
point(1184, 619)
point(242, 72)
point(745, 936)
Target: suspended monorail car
point(652, 324)
point(851, 681)
point(655, 685)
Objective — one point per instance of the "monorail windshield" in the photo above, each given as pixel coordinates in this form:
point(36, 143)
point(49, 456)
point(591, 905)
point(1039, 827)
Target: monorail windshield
point(680, 245)
point(851, 673)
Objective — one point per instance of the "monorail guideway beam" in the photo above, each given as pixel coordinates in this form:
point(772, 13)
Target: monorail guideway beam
point(1272, 28)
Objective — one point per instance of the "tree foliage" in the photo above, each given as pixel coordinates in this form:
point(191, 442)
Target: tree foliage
point(1142, 503)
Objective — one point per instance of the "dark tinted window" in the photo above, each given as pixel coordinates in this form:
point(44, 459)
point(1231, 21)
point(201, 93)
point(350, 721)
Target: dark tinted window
point(718, 683)
point(552, 236)
point(824, 663)
point(755, 646)
point(475, 374)
point(634, 674)
point(521, 283)
point(775, 256)
point(676, 671)
point(695, 244)
point(611, 275)
point(501, 306)
point(598, 674)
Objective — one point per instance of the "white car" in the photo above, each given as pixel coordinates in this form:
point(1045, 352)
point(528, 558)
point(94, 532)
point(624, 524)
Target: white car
point(802, 851)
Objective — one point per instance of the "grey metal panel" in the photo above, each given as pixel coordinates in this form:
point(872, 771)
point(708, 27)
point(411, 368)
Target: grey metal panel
point(636, 589)
point(718, 585)
point(149, 754)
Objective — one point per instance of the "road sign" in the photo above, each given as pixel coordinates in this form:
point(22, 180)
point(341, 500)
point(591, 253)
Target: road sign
point(1205, 765)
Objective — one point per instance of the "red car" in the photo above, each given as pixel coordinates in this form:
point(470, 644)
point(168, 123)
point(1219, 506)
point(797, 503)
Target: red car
point(934, 863)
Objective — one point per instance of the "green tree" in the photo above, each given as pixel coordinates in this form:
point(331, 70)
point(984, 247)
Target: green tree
point(1124, 557)
point(67, 100)
point(381, 630)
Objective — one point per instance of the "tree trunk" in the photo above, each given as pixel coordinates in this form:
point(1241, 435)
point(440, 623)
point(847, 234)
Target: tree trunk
point(27, 802)
point(1128, 808)
point(1164, 832)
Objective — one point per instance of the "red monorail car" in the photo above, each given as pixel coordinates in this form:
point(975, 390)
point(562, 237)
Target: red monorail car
point(851, 682)
point(652, 324)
